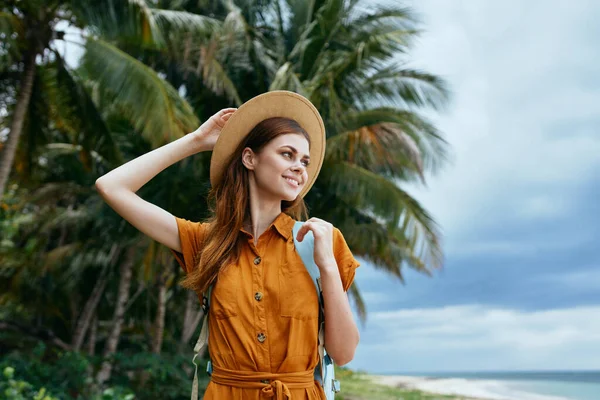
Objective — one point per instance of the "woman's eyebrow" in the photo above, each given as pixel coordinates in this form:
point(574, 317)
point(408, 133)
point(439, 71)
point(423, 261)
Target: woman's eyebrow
point(295, 151)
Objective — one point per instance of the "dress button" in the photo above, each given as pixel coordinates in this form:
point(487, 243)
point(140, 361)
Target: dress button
point(262, 337)
point(258, 296)
point(257, 261)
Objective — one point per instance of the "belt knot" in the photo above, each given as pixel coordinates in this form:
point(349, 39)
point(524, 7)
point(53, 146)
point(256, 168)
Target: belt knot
point(276, 389)
point(272, 385)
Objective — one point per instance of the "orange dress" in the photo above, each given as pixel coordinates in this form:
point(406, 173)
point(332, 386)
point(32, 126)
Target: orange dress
point(263, 320)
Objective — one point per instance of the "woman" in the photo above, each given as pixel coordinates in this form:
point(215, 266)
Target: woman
point(263, 319)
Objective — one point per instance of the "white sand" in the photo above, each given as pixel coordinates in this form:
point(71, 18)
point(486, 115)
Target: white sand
point(474, 389)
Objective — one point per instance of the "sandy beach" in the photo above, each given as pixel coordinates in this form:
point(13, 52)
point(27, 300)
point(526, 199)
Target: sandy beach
point(467, 388)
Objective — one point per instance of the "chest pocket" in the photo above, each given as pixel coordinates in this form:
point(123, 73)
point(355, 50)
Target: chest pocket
point(297, 293)
point(224, 300)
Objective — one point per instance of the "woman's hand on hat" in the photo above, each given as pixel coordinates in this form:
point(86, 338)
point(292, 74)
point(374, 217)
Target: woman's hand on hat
point(323, 233)
point(209, 131)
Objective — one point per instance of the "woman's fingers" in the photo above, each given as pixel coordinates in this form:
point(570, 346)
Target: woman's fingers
point(314, 224)
point(303, 231)
point(227, 110)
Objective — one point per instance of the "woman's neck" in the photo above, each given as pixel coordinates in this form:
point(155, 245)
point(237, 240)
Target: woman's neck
point(262, 214)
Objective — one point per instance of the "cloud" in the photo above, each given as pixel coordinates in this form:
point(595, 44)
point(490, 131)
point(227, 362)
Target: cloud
point(517, 205)
point(523, 123)
point(587, 280)
point(471, 336)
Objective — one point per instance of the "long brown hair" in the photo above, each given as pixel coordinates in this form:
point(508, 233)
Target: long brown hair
point(229, 204)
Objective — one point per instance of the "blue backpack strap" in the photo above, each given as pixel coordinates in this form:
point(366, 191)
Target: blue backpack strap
point(324, 373)
point(306, 250)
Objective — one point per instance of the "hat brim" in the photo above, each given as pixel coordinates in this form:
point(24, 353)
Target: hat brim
point(277, 103)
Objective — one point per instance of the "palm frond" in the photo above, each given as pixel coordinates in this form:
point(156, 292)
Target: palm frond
point(286, 79)
point(58, 255)
point(386, 202)
point(316, 38)
point(406, 87)
point(50, 193)
point(379, 149)
point(359, 302)
point(215, 77)
point(11, 40)
point(177, 23)
point(385, 246)
point(128, 21)
point(362, 15)
point(152, 105)
point(74, 110)
point(399, 125)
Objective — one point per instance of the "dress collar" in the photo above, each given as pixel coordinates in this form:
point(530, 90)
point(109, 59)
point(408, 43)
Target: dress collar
point(282, 224)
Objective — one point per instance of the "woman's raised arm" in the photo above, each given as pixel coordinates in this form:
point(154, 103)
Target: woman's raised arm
point(119, 186)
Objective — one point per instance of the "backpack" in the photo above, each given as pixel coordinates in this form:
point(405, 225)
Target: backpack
point(324, 371)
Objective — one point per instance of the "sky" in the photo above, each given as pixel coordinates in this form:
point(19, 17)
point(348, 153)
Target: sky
point(517, 203)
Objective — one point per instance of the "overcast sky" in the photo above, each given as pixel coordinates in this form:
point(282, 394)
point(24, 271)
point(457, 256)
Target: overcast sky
point(519, 204)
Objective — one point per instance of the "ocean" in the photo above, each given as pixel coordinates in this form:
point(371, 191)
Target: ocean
point(531, 385)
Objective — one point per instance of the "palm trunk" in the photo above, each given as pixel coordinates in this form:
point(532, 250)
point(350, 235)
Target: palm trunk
point(83, 322)
point(112, 341)
point(159, 321)
point(91, 344)
point(7, 155)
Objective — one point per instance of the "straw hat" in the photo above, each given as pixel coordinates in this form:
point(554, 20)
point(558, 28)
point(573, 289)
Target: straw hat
point(277, 103)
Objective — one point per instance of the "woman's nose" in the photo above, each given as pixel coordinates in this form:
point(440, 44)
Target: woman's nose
point(298, 167)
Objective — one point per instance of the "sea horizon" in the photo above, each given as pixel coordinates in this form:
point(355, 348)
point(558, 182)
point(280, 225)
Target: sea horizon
point(569, 375)
point(515, 384)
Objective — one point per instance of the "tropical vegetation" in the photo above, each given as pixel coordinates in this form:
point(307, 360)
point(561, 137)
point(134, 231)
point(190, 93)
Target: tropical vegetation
point(88, 303)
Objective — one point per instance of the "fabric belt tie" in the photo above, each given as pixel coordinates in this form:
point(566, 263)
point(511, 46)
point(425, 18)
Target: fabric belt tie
point(278, 385)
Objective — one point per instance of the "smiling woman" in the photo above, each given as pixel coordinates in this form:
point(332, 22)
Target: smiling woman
point(265, 327)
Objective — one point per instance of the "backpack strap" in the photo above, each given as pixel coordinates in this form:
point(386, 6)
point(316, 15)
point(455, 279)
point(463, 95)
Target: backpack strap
point(325, 372)
point(202, 342)
point(306, 250)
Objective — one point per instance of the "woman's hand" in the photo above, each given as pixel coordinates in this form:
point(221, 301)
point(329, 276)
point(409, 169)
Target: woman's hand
point(323, 233)
point(209, 131)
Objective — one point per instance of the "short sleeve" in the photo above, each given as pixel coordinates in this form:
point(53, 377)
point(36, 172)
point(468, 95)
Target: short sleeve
point(346, 262)
point(191, 236)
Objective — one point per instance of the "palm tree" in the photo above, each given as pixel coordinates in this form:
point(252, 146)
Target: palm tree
point(351, 61)
point(66, 270)
point(64, 102)
point(29, 57)
point(334, 53)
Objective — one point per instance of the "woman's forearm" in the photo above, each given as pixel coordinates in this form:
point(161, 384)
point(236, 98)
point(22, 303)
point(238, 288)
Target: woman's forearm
point(118, 189)
point(137, 172)
point(341, 332)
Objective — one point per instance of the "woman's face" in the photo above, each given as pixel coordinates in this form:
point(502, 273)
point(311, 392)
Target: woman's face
point(280, 167)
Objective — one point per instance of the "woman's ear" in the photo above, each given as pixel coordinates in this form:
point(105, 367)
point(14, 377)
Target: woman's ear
point(248, 158)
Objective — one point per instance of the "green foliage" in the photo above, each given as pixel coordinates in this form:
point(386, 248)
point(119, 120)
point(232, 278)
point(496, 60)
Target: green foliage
point(115, 394)
point(62, 373)
point(149, 374)
point(13, 389)
point(147, 76)
point(67, 376)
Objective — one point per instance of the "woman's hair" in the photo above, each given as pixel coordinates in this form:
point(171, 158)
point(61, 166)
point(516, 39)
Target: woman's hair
point(230, 205)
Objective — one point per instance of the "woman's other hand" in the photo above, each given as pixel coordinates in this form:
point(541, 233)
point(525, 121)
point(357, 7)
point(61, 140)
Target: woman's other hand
point(323, 233)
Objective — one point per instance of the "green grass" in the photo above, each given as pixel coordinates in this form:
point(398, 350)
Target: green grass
point(358, 386)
